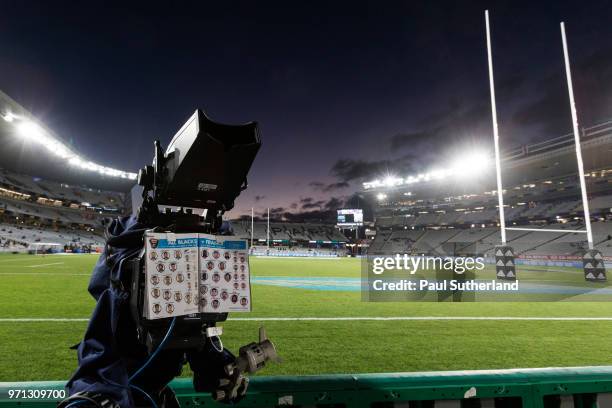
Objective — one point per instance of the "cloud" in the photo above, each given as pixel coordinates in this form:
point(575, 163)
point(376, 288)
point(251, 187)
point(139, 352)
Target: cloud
point(549, 111)
point(259, 198)
point(347, 170)
point(313, 204)
point(328, 188)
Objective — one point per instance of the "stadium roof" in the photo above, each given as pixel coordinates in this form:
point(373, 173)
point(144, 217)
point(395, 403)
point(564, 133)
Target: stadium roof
point(28, 147)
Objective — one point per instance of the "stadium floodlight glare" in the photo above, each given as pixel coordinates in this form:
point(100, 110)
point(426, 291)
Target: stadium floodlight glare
point(470, 164)
point(29, 130)
point(466, 165)
point(8, 117)
point(391, 181)
point(32, 132)
point(381, 196)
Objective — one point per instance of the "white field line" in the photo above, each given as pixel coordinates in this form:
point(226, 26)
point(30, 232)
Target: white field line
point(44, 273)
point(24, 259)
point(348, 318)
point(43, 265)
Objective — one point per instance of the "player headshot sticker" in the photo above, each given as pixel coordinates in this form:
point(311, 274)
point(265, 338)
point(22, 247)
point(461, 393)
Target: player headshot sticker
point(153, 255)
point(168, 280)
point(227, 277)
point(227, 255)
point(155, 292)
point(214, 292)
point(155, 279)
point(204, 253)
point(178, 296)
point(244, 301)
point(215, 304)
point(167, 295)
point(165, 255)
point(236, 285)
point(235, 267)
point(188, 298)
point(178, 254)
point(216, 277)
point(180, 278)
point(224, 295)
point(153, 242)
point(210, 265)
point(222, 266)
point(160, 267)
point(234, 298)
point(169, 308)
point(157, 308)
point(173, 266)
point(203, 289)
point(216, 254)
point(204, 276)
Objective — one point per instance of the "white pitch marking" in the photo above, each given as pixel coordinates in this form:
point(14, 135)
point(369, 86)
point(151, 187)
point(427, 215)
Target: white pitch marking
point(45, 273)
point(41, 265)
point(349, 318)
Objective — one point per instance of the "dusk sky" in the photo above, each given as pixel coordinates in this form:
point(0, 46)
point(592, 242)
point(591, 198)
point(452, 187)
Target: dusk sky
point(343, 91)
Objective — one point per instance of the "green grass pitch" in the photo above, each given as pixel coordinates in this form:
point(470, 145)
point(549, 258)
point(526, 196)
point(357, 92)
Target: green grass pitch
point(56, 287)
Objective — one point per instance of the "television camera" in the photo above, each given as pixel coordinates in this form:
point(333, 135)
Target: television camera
point(187, 189)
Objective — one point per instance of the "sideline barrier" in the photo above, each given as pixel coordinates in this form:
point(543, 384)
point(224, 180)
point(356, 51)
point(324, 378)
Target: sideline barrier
point(528, 388)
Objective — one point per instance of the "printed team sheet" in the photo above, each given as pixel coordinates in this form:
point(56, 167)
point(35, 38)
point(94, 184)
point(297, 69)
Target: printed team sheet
point(195, 273)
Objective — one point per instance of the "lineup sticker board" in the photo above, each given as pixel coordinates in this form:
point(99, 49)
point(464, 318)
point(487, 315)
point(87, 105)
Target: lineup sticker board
point(224, 274)
point(195, 273)
point(171, 275)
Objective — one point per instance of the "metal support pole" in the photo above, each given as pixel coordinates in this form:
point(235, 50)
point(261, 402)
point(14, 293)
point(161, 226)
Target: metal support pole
point(268, 230)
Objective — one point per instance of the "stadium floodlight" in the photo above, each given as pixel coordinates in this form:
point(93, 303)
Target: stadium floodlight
point(470, 164)
point(32, 132)
point(381, 196)
point(391, 181)
point(29, 130)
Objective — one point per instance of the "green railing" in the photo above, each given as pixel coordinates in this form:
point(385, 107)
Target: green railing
point(528, 388)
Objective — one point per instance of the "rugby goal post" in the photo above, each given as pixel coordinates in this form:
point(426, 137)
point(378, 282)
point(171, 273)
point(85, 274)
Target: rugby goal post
point(592, 258)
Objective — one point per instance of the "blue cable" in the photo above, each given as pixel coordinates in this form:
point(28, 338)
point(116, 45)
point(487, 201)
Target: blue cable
point(153, 404)
point(157, 350)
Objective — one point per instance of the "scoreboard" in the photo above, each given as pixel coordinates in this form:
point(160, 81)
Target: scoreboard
point(350, 218)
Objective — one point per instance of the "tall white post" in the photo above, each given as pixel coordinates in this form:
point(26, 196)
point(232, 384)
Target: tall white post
point(252, 225)
point(268, 230)
point(500, 191)
point(570, 89)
